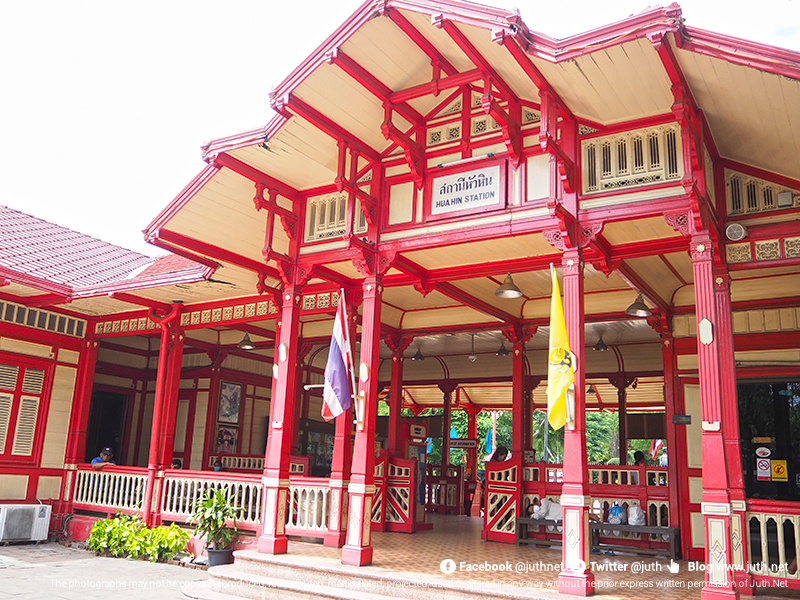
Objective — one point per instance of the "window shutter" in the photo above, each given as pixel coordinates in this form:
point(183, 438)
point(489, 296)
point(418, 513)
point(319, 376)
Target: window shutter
point(33, 381)
point(26, 426)
point(5, 415)
point(8, 377)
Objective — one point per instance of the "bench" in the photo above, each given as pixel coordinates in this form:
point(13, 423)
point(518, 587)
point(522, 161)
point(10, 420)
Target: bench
point(522, 525)
point(673, 535)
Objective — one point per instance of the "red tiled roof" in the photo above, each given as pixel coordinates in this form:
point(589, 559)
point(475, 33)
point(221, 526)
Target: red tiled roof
point(169, 263)
point(37, 248)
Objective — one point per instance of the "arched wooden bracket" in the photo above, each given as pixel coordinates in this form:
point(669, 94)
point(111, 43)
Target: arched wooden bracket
point(622, 381)
point(509, 123)
point(397, 342)
point(369, 262)
point(659, 323)
point(424, 287)
point(414, 153)
point(263, 288)
point(288, 218)
point(519, 334)
point(448, 387)
point(292, 274)
point(548, 140)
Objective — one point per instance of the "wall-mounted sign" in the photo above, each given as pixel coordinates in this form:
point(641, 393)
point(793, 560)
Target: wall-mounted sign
point(779, 471)
point(763, 469)
point(682, 419)
point(418, 430)
point(466, 191)
point(462, 443)
point(763, 452)
point(762, 440)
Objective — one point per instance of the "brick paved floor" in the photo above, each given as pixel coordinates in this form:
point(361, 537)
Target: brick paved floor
point(52, 571)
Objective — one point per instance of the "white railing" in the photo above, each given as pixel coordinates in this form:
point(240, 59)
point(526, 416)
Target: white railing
point(182, 492)
point(774, 540)
point(309, 506)
point(110, 489)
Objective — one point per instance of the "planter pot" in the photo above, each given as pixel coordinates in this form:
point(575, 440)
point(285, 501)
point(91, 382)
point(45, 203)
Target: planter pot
point(220, 557)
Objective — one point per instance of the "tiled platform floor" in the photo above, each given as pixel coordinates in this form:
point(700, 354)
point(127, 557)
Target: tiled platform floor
point(418, 558)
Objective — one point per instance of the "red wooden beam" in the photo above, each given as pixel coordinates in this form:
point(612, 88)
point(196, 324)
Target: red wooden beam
point(219, 253)
point(421, 41)
point(476, 57)
point(531, 70)
point(234, 164)
point(436, 86)
point(326, 125)
point(47, 300)
point(134, 299)
point(247, 328)
point(638, 284)
point(451, 291)
point(373, 85)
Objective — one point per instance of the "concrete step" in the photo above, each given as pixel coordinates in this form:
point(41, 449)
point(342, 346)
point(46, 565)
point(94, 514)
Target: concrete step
point(292, 577)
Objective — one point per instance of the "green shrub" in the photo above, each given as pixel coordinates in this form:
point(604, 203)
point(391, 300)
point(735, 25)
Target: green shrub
point(126, 535)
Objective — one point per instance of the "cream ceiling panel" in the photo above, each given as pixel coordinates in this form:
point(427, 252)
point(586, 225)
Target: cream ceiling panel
point(391, 316)
point(744, 128)
point(595, 86)
point(640, 230)
point(343, 100)
point(439, 38)
point(443, 317)
point(656, 274)
point(407, 298)
point(388, 54)
point(504, 248)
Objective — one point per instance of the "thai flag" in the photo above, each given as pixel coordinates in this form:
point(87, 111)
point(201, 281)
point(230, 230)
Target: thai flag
point(336, 392)
point(655, 446)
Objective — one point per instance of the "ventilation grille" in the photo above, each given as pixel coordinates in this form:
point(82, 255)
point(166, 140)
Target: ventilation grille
point(631, 159)
point(41, 319)
point(23, 523)
point(26, 426)
point(749, 195)
point(325, 217)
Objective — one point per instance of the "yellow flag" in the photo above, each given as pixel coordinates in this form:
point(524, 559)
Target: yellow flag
point(560, 361)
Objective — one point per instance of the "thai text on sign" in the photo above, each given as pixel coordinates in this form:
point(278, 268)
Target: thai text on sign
point(466, 191)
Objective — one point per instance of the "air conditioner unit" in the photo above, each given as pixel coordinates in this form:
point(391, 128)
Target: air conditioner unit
point(24, 522)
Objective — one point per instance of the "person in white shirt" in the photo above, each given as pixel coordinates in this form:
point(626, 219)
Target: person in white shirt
point(663, 461)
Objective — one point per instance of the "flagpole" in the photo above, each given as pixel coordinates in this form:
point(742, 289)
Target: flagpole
point(357, 400)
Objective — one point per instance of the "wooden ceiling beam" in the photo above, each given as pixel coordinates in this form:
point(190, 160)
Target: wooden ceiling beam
point(134, 299)
point(46, 300)
point(640, 285)
point(421, 41)
point(219, 253)
point(437, 85)
point(247, 328)
point(224, 159)
point(476, 57)
point(326, 125)
point(373, 85)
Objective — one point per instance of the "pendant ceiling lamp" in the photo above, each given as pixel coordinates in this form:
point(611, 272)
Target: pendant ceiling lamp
point(472, 357)
point(502, 351)
point(508, 289)
point(639, 308)
point(246, 343)
point(600, 346)
point(418, 355)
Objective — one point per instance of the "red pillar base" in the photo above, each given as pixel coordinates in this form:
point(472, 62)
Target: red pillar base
point(744, 582)
point(273, 545)
point(576, 584)
point(334, 539)
point(357, 556)
point(719, 593)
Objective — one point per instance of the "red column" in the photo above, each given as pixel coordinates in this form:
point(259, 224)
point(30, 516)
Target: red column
point(358, 548)
point(520, 413)
point(730, 428)
point(472, 433)
point(576, 577)
point(340, 465)
point(79, 418)
point(673, 453)
point(279, 443)
point(716, 498)
point(397, 345)
point(167, 441)
point(150, 491)
point(447, 388)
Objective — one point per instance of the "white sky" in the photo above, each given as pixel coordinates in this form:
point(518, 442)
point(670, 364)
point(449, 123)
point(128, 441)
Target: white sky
point(104, 104)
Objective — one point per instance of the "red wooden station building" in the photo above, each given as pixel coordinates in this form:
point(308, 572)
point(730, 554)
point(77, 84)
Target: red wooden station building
point(426, 154)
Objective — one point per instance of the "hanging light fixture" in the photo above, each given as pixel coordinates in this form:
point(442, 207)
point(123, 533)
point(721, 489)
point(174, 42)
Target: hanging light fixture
point(418, 355)
point(639, 308)
point(508, 289)
point(472, 357)
point(503, 351)
point(246, 343)
point(600, 346)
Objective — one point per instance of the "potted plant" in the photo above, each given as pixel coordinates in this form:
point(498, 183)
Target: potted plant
point(211, 517)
